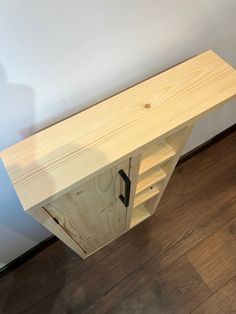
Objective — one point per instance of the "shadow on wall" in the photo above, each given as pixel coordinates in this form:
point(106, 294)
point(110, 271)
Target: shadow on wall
point(17, 111)
point(18, 231)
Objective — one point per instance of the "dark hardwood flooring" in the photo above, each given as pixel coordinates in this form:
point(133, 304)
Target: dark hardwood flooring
point(182, 260)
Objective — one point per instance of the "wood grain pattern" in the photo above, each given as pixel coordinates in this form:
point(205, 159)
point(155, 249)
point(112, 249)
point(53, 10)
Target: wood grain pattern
point(188, 214)
point(178, 289)
point(93, 214)
point(146, 195)
point(215, 258)
point(50, 163)
point(43, 217)
point(197, 202)
point(223, 301)
point(152, 183)
point(133, 175)
point(150, 177)
point(154, 155)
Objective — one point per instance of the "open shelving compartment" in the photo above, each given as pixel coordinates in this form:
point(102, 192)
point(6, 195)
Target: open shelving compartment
point(156, 166)
point(155, 155)
point(151, 178)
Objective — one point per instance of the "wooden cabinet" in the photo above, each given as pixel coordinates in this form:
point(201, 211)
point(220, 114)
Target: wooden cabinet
point(93, 176)
point(93, 214)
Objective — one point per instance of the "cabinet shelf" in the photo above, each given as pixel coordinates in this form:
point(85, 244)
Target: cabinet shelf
point(156, 155)
point(70, 173)
point(149, 178)
point(145, 195)
point(140, 213)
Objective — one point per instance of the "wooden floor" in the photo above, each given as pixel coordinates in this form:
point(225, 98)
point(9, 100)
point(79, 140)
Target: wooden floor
point(182, 260)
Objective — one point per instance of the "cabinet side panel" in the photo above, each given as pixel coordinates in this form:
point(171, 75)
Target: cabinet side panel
point(43, 217)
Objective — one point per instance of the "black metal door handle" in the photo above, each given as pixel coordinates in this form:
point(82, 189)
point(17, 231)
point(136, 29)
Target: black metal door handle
point(125, 198)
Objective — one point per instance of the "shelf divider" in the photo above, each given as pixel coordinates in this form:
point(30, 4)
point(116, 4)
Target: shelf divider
point(155, 155)
point(145, 195)
point(150, 177)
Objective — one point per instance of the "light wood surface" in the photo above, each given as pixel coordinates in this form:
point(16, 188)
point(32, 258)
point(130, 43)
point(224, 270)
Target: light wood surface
point(150, 177)
point(140, 213)
point(133, 175)
point(93, 214)
point(146, 195)
point(177, 141)
point(43, 217)
point(146, 268)
point(50, 163)
point(154, 155)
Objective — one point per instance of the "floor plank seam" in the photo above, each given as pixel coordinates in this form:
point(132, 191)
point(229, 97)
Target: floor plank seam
point(100, 297)
point(184, 254)
point(220, 226)
point(66, 283)
point(200, 277)
point(181, 260)
point(164, 269)
point(213, 293)
point(209, 235)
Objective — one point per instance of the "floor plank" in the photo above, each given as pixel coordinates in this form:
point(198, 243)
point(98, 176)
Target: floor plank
point(183, 221)
point(223, 301)
point(173, 237)
point(199, 200)
point(215, 257)
point(56, 269)
point(178, 289)
point(142, 258)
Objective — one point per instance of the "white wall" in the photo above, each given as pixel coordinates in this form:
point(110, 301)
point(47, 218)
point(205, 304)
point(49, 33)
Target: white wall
point(58, 56)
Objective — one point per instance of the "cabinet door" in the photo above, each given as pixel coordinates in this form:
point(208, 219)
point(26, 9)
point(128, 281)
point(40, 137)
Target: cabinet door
point(93, 214)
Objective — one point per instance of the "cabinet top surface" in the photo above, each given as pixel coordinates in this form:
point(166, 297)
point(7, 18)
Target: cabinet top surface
point(50, 162)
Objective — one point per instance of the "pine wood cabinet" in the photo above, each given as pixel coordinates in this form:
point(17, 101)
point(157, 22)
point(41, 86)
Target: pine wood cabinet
point(93, 214)
point(93, 176)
